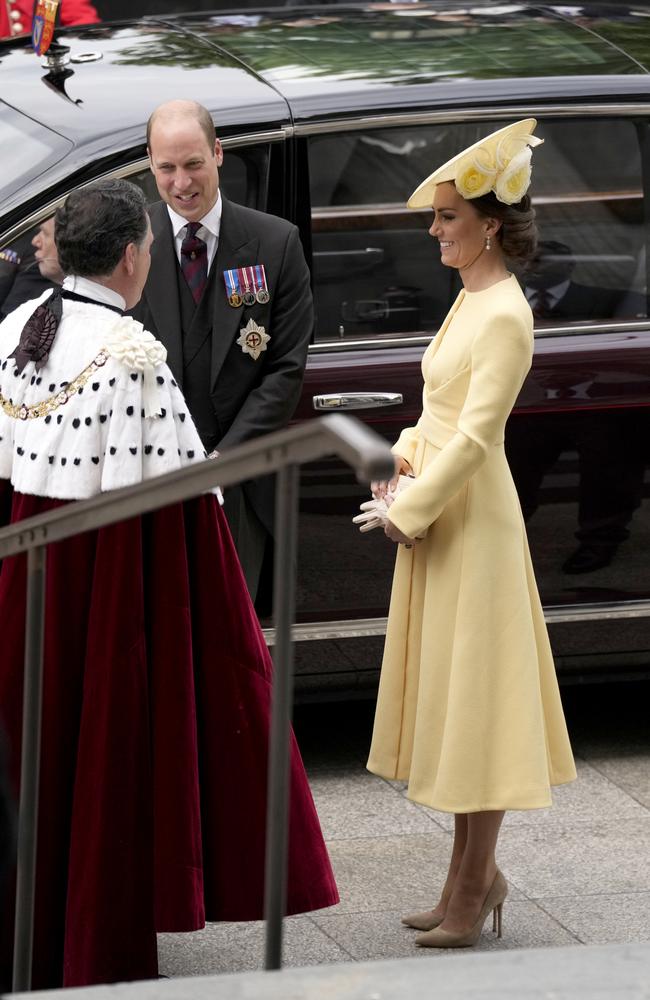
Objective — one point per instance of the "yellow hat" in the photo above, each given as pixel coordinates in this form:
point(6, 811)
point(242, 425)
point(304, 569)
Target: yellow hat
point(499, 163)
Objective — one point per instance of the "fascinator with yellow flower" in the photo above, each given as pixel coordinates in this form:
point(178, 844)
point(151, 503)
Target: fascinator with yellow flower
point(501, 162)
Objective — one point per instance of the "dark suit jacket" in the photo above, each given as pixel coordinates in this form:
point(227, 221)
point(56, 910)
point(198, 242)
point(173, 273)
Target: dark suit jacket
point(249, 397)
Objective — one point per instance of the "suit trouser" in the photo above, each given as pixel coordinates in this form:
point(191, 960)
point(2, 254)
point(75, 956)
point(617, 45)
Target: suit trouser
point(249, 535)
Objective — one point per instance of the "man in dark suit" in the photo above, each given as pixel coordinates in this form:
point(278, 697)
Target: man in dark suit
point(553, 294)
point(229, 296)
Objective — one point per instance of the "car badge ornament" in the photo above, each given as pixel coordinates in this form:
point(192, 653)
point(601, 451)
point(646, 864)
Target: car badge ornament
point(253, 339)
point(43, 25)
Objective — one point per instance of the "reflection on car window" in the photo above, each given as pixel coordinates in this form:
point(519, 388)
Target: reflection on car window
point(28, 149)
point(375, 266)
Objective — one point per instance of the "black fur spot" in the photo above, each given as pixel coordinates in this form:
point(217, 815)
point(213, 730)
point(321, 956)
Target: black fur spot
point(129, 411)
point(181, 417)
point(159, 379)
point(102, 418)
point(88, 421)
point(20, 451)
point(51, 386)
point(148, 449)
point(95, 386)
point(48, 418)
point(63, 461)
point(134, 451)
point(112, 382)
point(190, 454)
point(33, 456)
point(163, 412)
point(77, 461)
point(95, 460)
point(51, 459)
point(76, 422)
point(161, 451)
point(113, 450)
point(134, 376)
point(59, 418)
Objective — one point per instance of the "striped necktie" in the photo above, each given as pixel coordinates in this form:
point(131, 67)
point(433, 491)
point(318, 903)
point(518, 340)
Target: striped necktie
point(194, 261)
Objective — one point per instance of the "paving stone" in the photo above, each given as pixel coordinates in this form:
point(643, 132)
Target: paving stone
point(382, 935)
point(227, 947)
point(604, 919)
point(607, 857)
point(358, 804)
point(587, 800)
point(629, 771)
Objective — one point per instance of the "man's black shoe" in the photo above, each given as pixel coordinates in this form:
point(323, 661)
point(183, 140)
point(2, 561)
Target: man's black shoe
point(588, 558)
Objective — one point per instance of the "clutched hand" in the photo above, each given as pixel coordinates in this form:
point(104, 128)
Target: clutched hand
point(374, 513)
point(379, 488)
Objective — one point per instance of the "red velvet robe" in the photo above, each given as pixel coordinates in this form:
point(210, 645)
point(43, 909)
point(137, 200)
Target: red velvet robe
point(155, 726)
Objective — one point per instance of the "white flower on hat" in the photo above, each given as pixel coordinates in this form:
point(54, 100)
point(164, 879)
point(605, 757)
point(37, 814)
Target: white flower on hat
point(476, 173)
point(512, 182)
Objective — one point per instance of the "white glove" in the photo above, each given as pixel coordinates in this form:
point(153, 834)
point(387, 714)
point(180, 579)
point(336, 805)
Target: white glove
point(375, 512)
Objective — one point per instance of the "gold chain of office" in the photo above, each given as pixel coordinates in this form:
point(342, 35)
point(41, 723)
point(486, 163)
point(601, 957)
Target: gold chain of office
point(59, 399)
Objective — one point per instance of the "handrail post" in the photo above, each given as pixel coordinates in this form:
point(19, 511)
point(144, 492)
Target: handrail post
point(29, 770)
point(278, 785)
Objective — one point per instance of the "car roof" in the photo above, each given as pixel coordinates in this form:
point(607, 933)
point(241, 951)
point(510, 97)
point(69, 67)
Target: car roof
point(330, 60)
point(265, 70)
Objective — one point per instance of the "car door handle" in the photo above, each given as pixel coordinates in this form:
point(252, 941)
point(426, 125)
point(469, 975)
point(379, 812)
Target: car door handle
point(356, 400)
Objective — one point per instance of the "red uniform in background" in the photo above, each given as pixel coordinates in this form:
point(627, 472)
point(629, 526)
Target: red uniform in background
point(16, 15)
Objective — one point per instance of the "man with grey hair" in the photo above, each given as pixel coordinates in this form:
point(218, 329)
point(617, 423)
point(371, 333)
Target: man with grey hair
point(229, 296)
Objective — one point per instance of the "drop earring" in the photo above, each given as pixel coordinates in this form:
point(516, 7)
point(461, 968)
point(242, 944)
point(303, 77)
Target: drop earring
point(488, 243)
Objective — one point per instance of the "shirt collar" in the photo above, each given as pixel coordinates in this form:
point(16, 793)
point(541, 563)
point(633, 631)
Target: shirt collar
point(93, 290)
point(211, 220)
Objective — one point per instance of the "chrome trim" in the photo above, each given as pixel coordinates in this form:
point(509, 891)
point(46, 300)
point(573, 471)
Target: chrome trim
point(554, 614)
point(326, 346)
point(390, 119)
point(356, 400)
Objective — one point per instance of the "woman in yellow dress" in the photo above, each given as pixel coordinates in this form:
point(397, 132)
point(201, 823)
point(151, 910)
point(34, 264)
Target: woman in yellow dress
point(469, 711)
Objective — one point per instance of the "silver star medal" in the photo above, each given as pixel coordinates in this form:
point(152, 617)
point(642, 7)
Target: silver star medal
point(253, 339)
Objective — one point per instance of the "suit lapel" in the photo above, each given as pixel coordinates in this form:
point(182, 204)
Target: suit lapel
point(161, 290)
point(238, 247)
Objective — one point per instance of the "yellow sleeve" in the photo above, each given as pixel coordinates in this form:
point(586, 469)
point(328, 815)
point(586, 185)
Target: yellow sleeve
point(500, 358)
point(406, 444)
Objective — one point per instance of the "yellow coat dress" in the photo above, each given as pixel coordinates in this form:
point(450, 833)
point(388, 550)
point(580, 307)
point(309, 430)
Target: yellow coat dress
point(469, 710)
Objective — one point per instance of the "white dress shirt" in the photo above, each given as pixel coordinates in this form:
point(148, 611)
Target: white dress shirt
point(209, 231)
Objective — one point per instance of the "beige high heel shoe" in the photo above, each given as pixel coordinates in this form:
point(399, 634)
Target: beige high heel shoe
point(439, 938)
point(425, 921)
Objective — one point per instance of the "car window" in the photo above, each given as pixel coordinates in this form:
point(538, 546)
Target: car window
point(375, 266)
point(28, 149)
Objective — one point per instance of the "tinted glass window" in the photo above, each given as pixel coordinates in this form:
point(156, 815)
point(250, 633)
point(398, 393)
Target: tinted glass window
point(377, 271)
point(28, 149)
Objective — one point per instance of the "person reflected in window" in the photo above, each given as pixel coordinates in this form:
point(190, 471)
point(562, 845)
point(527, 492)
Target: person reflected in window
point(35, 275)
point(554, 295)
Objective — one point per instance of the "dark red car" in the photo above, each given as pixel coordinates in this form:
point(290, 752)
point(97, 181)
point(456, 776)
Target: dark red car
point(331, 116)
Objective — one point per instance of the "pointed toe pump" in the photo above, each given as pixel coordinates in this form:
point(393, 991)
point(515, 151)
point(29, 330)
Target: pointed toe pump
point(425, 921)
point(439, 938)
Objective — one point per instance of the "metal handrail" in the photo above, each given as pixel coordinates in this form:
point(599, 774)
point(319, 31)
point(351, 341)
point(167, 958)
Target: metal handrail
point(281, 452)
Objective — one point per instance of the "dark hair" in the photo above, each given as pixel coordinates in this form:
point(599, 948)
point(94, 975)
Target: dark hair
point(189, 109)
point(518, 233)
point(95, 225)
